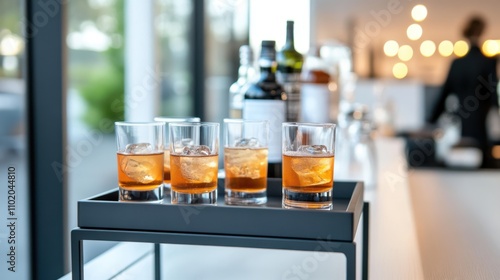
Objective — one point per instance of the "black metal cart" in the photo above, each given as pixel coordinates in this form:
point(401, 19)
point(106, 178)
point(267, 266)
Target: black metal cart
point(268, 226)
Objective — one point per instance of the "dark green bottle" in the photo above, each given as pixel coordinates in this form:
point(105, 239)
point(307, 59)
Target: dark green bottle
point(290, 64)
point(265, 100)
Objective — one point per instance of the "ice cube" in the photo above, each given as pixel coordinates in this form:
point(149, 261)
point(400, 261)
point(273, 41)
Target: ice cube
point(180, 144)
point(247, 143)
point(313, 149)
point(139, 148)
point(201, 150)
point(198, 170)
point(245, 163)
point(312, 171)
point(139, 171)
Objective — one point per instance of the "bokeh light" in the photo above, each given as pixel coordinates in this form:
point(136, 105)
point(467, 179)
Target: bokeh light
point(10, 44)
point(391, 48)
point(414, 31)
point(445, 48)
point(460, 48)
point(427, 48)
point(491, 47)
point(400, 70)
point(419, 12)
point(405, 53)
point(495, 152)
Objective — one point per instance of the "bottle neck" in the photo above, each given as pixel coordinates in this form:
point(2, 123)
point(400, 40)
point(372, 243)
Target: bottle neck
point(289, 44)
point(245, 69)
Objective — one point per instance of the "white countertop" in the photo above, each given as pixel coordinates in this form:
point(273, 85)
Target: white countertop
point(393, 251)
point(458, 224)
point(433, 223)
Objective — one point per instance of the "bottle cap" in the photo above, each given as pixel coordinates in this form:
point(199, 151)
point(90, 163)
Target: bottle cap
point(268, 50)
point(268, 44)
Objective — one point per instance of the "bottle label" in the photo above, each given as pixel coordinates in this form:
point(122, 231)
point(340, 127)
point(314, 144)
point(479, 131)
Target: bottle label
point(315, 103)
point(274, 112)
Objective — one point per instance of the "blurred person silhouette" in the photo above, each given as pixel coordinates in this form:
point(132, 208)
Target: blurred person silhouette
point(473, 80)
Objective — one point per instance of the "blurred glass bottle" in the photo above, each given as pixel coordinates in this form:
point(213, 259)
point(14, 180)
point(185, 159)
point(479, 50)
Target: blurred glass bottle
point(449, 129)
point(315, 89)
point(338, 57)
point(245, 74)
point(356, 150)
point(265, 100)
point(289, 67)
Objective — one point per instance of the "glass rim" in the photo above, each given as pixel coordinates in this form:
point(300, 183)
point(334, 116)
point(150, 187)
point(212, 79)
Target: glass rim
point(187, 124)
point(129, 123)
point(297, 124)
point(229, 120)
point(177, 119)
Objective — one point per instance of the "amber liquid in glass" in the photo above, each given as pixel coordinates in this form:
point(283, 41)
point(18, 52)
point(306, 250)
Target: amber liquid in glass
point(166, 167)
point(140, 172)
point(193, 174)
point(308, 174)
point(246, 169)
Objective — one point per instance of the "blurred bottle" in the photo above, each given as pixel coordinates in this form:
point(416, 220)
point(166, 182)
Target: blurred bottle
point(315, 89)
point(447, 134)
point(265, 100)
point(347, 94)
point(289, 67)
point(338, 57)
point(236, 91)
point(383, 111)
point(356, 150)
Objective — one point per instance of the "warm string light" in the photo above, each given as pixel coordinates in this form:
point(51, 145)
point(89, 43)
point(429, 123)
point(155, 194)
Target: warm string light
point(491, 48)
point(400, 70)
point(414, 32)
point(391, 48)
point(445, 48)
point(419, 13)
point(405, 53)
point(460, 48)
point(428, 48)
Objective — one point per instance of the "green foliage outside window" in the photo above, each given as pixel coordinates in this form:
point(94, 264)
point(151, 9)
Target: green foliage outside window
point(102, 84)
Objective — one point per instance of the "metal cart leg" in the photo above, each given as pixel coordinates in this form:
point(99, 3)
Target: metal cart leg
point(350, 254)
point(366, 224)
point(157, 262)
point(351, 262)
point(76, 256)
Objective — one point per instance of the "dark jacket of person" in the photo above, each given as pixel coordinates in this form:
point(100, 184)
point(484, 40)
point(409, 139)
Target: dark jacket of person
point(473, 79)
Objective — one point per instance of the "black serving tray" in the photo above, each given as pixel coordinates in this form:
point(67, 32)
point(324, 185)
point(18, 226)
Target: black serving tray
point(104, 211)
